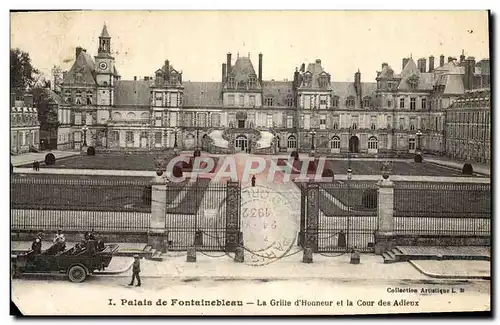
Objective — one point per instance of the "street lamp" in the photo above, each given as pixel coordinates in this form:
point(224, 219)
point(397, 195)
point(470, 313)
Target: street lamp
point(419, 136)
point(85, 129)
point(313, 133)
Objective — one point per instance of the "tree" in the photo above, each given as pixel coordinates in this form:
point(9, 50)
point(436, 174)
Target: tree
point(23, 75)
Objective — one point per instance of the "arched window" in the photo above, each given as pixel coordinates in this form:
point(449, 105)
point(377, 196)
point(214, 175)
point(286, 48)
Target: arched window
point(372, 143)
point(145, 116)
point(130, 115)
point(335, 143)
point(292, 142)
point(117, 116)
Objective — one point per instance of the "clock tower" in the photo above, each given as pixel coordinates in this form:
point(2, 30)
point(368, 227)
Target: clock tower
point(105, 71)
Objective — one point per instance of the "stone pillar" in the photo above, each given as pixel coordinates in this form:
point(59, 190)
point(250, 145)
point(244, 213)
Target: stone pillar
point(157, 235)
point(384, 236)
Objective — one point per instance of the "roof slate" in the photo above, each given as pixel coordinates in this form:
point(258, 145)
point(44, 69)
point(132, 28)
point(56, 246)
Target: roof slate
point(202, 93)
point(279, 90)
point(85, 65)
point(132, 92)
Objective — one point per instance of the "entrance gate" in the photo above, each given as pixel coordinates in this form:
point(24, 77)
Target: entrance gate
point(337, 217)
point(203, 214)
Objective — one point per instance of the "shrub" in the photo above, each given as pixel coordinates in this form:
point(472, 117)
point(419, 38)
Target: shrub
point(370, 198)
point(90, 151)
point(418, 158)
point(50, 159)
point(467, 169)
point(146, 194)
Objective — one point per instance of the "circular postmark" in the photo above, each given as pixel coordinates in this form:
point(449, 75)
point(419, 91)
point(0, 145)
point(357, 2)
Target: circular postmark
point(269, 222)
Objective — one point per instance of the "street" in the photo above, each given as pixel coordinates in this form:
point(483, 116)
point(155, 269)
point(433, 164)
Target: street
point(108, 295)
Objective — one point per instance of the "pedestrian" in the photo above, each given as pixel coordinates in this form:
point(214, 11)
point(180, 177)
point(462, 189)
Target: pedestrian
point(253, 181)
point(136, 269)
point(34, 165)
point(36, 245)
point(37, 165)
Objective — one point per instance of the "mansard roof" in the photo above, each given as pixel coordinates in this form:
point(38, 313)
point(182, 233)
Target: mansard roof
point(132, 92)
point(85, 65)
point(202, 93)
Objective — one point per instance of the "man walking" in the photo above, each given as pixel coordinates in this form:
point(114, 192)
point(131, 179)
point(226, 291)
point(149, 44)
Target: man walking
point(136, 269)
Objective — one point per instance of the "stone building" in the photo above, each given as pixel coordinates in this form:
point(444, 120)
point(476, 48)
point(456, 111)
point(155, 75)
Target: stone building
point(24, 125)
point(468, 127)
point(245, 112)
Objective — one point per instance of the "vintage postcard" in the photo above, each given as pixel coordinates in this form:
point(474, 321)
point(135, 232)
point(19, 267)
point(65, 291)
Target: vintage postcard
point(250, 162)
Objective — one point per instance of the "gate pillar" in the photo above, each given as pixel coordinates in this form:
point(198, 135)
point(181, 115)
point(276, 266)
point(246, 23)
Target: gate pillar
point(312, 217)
point(303, 202)
point(157, 235)
point(233, 202)
point(384, 236)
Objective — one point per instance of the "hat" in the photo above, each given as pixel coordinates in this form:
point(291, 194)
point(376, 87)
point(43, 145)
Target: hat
point(136, 256)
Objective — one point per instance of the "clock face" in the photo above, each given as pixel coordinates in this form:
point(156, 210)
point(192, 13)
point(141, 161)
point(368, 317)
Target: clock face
point(103, 65)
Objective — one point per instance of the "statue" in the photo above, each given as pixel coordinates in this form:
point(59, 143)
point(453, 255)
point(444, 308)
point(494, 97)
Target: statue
point(385, 169)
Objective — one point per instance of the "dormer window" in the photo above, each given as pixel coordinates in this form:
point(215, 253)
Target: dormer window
point(269, 101)
point(253, 82)
point(335, 101)
point(78, 77)
point(350, 103)
point(174, 79)
point(413, 82)
point(366, 102)
point(230, 82)
point(390, 86)
point(289, 101)
point(307, 80)
point(242, 85)
point(323, 81)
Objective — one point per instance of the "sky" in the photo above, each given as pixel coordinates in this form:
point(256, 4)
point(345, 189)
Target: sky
point(196, 42)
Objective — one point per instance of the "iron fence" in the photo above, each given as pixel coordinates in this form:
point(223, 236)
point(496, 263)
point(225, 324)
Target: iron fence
point(197, 215)
point(47, 204)
point(442, 208)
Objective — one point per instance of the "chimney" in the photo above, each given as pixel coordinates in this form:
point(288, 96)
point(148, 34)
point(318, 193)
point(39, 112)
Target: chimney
point(431, 63)
point(450, 59)
point(296, 79)
point(167, 67)
point(405, 61)
point(303, 67)
point(384, 65)
point(357, 85)
point(84, 50)
point(135, 78)
point(223, 72)
point(441, 60)
point(228, 64)
point(260, 67)
point(318, 61)
point(422, 62)
point(78, 51)
point(470, 66)
point(28, 100)
point(462, 57)
point(146, 78)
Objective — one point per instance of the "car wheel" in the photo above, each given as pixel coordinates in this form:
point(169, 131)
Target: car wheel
point(77, 274)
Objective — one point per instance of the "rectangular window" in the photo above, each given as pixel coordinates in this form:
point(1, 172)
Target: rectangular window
point(242, 100)
point(424, 103)
point(173, 99)
point(289, 122)
point(402, 124)
point(412, 124)
point(307, 102)
point(411, 144)
point(157, 118)
point(269, 121)
point(173, 119)
point(322, 122)
point(354, 122)
point(252, 100)
point(78, 118)
point(269, 101)
point(230, 100)
point(401, 103)
point(389, 103)
point(158, 99)
point(129, 136)
point(307, 122)
point(413, 103)
point(157, 137)
point(88, 119)
point(322, 102)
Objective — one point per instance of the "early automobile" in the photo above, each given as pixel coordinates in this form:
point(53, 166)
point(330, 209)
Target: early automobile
point(76, 262)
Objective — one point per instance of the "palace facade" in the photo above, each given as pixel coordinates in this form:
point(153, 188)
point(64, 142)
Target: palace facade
point(244, 112)
point(24, 125)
